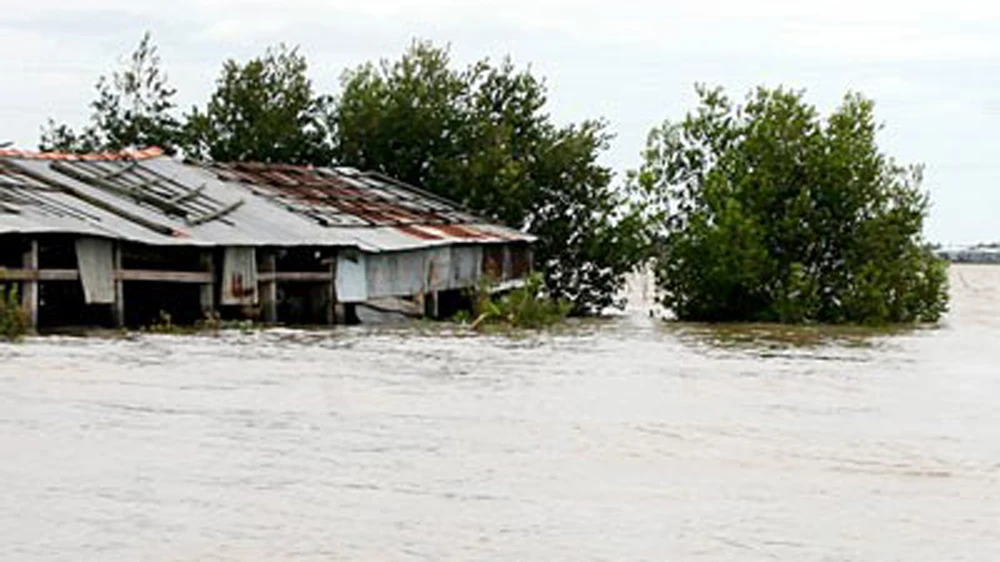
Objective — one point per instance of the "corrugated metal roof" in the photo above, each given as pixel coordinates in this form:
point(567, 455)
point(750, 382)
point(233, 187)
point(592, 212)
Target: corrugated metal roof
point(145, 197)
point(381, 211)
point(143, 154)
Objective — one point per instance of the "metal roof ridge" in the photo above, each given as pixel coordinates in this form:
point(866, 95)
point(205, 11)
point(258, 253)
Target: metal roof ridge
point(128, 154)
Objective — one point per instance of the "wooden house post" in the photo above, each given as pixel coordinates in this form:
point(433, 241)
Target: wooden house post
point(118, 307)
point(29, 288)
point(208, 289)
point(331, 311)
point(269, 289)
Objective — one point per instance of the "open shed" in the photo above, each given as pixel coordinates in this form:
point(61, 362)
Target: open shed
point(126, 238)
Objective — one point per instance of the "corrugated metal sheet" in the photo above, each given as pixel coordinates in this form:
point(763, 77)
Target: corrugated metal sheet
point(48, 201)
point(128, 155)
point(147, 198)
point(352, 277)
point(394, 274)
point(239, 276)
point(96, 262)
point(384, 213)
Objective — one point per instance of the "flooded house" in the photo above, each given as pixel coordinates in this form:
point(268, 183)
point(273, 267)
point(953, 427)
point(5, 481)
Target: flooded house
point(132, 238)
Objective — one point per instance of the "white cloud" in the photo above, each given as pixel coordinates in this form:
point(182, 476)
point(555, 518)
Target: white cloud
point(930, 65)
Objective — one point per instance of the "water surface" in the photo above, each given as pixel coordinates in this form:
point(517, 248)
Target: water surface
point(622, 439)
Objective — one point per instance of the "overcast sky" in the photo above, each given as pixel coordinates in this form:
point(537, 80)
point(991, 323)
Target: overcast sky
point(932, 67)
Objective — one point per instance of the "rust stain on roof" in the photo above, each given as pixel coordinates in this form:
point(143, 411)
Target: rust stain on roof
point(418, 233)
point(144, 154)
point(460, 231)
point(343, 197)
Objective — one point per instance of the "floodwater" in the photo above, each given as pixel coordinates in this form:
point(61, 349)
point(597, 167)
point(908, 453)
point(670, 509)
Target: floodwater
point(623, 439)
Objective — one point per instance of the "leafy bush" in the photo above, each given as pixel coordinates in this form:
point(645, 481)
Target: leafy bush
point(14, 321)
point(772, 213)
point(525, 307)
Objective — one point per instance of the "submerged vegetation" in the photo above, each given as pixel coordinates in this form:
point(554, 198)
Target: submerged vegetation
point(526, 307)
point(772, 213)
point(14, 321)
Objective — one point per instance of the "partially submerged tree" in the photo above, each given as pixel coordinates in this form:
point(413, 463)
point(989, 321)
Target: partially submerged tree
point(480, 136)
point(773, 213)
point(264, 110)
point(134, 109)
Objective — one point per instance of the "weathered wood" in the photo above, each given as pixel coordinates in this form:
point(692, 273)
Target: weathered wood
point(132, 166)
point(208, 289)
point(185, 197)
point(200, 277)
point(39, 275)
point(29, 288)
point(295, 276)
point(331, 309)
point(435, 311)
point(216, 215)
point(94, 201)
point(269, 288)
point(118, 307)
point(137, 193)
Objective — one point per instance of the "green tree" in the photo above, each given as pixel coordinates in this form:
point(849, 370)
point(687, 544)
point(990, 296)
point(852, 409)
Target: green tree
point(134, 109)
point(480, 136)
point(773, 213)
point(265, 111)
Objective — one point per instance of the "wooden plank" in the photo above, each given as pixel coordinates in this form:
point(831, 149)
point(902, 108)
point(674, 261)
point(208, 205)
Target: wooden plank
point(38, 275)
point(30, 275)
point(18, 274)
point(203, 277)
point(216, 215)
point(57, 274)
point(295, 276)
point(95, 201)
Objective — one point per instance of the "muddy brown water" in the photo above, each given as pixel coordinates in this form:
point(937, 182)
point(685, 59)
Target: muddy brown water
point(622, 439)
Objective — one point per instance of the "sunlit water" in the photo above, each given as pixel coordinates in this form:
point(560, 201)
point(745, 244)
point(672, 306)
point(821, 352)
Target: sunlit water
point(619, 440)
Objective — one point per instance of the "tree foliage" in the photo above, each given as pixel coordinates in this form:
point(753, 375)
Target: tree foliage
point(14, 319)
point(264, 110)
point(480, 136)
point(773, 213)
point(134, 109)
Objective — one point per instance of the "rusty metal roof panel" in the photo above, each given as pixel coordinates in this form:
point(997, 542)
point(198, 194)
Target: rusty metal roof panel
point(378, 211)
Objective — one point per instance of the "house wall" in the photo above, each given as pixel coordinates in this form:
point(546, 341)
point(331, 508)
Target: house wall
point(302, 285)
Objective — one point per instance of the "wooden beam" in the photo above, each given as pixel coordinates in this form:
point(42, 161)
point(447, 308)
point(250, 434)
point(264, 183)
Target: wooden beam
point(39, 275)
point(29, 288)
point(216, 215)
point(295, 276)
point(95, 201)
point(199, 277)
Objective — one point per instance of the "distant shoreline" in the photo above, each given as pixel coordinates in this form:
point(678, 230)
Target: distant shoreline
point(983, 255)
